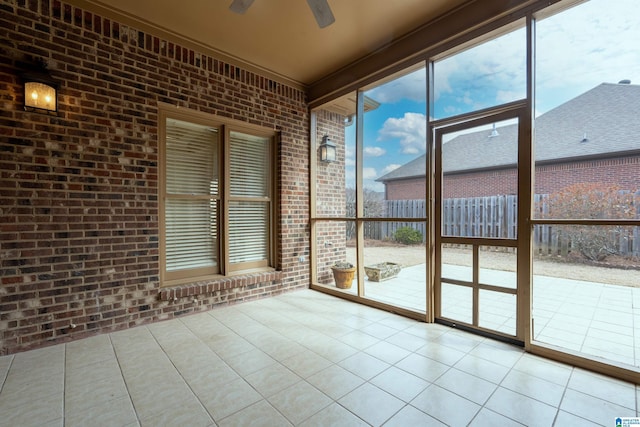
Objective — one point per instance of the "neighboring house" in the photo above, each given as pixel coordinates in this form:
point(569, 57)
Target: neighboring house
point(594, 138)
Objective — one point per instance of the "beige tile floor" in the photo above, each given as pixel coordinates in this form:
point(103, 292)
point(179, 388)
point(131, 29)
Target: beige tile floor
point(303, 358)
point(594, 318)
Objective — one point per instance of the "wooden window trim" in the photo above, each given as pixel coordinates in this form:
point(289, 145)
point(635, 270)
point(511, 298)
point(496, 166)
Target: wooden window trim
point(225, 271)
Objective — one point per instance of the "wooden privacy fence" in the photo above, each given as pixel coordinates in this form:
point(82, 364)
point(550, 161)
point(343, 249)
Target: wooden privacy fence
point(555, 239)
point(493, 217)
point(404, 209)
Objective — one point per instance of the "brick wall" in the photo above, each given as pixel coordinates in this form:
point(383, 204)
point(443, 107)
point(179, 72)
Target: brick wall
point(480, 184)
point(79, 191)
point(330, 181)
point(331, 197)
point(624, 172)
point(549, 178)
point(406, 189)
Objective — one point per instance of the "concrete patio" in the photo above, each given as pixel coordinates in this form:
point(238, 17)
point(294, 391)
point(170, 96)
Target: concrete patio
point(594, 318)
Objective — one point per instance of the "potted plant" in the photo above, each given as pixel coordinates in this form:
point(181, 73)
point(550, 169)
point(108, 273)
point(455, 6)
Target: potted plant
point(343, 273)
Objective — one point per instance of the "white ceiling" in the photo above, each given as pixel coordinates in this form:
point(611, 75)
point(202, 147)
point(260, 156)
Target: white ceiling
point(281, 36)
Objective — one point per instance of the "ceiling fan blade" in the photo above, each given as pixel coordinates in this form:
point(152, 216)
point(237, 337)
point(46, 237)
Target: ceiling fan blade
point(322, 12)
point(240, 6)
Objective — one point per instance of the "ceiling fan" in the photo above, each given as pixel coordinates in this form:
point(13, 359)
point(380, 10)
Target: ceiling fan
point(320, 8)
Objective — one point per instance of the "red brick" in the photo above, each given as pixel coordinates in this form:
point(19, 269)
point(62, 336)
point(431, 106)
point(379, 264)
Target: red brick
point(82, 187)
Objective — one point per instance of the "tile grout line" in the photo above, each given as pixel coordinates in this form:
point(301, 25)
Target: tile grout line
point(511, 369)
point(64, 385)
point(333, 401)
point(242, 377)
point(191, 331)
point(293, 321)
point(468, 353)
point(431, 383)
point(115, 353)
point(290, 322)
point(302, 379)
point(564, 393)
point(6, 375)
point(175, 368)
point(483, 406)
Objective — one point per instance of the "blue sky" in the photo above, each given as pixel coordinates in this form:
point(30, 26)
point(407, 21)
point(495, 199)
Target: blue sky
point(595, 42)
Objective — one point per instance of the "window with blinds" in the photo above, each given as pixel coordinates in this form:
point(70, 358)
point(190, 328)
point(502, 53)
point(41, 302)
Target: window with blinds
point(249, 200)
point(191, 199)
point(217, 215)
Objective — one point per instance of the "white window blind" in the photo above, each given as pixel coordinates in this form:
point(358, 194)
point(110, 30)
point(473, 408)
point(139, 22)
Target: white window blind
point(191, 206)
point(249, 160)
point(191, 164)
point(248, 232)
point(249, 199)
point(190, 234)
point(217, 207)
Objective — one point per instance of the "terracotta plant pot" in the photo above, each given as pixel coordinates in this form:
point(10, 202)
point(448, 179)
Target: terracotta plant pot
point(343, 274)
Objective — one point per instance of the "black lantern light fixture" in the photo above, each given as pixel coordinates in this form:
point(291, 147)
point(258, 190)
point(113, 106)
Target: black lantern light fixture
point(40, 92)
point(327, 150)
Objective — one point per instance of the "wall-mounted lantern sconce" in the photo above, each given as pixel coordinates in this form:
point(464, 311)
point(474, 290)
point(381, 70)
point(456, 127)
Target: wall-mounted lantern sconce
point(327, 150)
point(40, 92)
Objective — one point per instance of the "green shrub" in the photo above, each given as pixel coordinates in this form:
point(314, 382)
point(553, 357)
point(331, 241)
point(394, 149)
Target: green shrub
point(407, 236)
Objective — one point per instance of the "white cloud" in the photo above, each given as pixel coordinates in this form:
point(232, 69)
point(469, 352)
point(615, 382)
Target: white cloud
point(592, 43)
point(442, 80)
point(450, 110)
point(412, 86)
point(410, 131)
point(504, 96)
point(369, 179)
point(349, 156)
point(390, 168)
point(373, 186)
point(484, 75)
point(374, 151)
point(465, 99)
point(369, 176)
point(350, 177)
point(577, 49)
point(369, 173)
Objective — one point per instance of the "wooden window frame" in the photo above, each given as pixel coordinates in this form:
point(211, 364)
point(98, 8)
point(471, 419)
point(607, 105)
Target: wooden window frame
point(224, 198)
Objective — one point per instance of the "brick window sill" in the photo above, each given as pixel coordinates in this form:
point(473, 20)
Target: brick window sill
point(223, 283)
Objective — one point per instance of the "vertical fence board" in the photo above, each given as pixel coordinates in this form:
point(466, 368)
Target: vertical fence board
point(495, 217)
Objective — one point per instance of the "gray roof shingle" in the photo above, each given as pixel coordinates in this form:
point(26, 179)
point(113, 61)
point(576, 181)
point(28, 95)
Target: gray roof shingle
point(602, 121)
